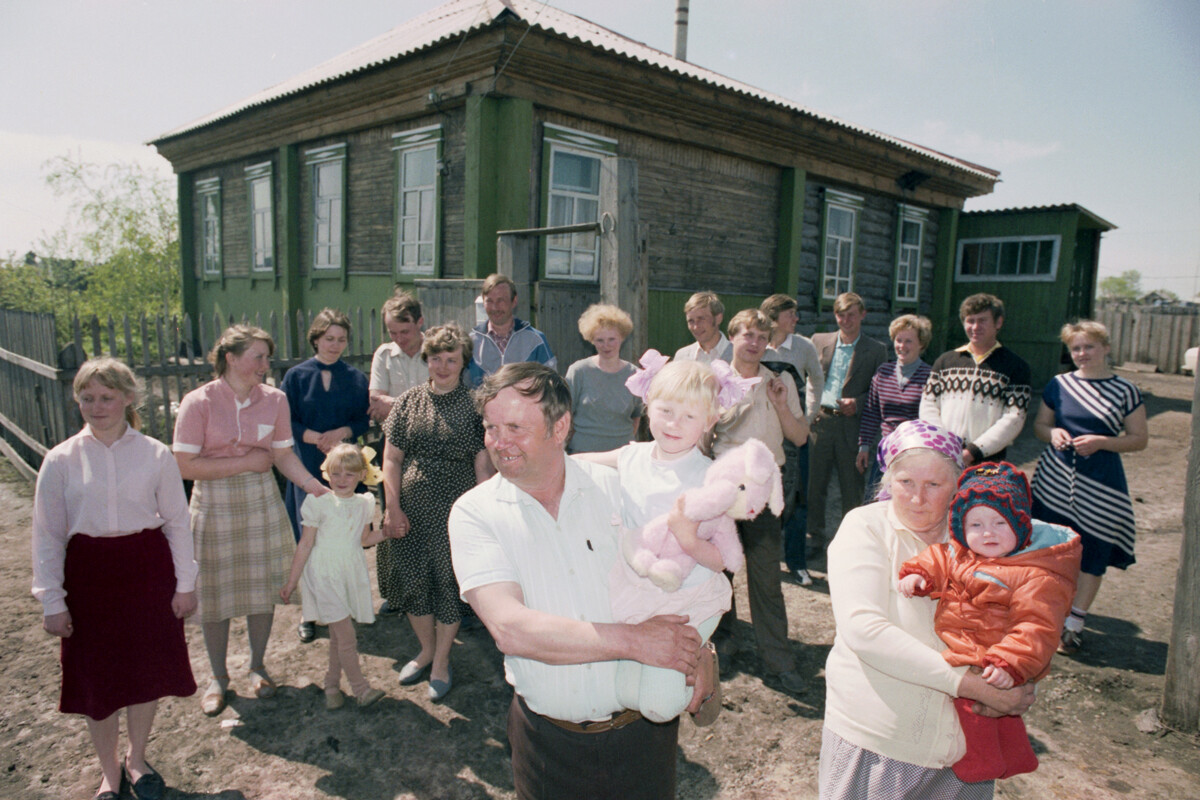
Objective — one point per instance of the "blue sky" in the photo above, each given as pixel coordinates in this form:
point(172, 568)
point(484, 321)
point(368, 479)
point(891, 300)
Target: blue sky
point(1095, 102)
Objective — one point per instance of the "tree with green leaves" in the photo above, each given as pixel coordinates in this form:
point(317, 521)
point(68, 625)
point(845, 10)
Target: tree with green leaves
point(1126, 287)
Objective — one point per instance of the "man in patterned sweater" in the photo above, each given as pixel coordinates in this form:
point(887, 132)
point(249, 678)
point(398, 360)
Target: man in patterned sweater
point(981, 390)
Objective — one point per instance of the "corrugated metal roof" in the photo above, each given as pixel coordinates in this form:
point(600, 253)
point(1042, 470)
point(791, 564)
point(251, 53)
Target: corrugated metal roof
point(459, 17)
point(1097, 220)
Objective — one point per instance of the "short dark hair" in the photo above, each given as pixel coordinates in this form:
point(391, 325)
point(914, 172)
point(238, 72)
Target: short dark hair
point(402, 307)
point(325, 319)
point(978, 303)
point(776, 304)
point(530, 379)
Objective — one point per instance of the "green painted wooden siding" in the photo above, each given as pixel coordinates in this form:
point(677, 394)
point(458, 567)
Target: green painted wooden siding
point(1035, 310)
point(499, 158)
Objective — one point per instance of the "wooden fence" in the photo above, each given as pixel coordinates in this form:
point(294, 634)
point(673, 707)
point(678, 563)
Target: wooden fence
point(168, 354)
point(1158, 335)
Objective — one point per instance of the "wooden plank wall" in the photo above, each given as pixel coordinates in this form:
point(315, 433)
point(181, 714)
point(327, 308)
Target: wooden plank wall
point(1157, 335)
point(559, 307)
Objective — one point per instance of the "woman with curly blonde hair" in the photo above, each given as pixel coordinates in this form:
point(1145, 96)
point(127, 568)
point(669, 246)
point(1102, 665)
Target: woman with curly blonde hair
point(604, 413)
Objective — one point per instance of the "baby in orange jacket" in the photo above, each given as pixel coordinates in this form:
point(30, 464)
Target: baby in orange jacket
point(1004, 586)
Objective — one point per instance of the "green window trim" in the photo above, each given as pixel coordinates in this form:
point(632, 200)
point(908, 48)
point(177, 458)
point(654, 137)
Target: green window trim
point(417, 232)
point(839, 244)
point(327, 246)
point(208, 197)
point(260, 191)
point(1008, 259)
point(910, 245)
point(569, 198)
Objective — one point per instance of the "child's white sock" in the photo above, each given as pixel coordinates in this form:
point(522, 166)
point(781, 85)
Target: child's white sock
point(1075, 620)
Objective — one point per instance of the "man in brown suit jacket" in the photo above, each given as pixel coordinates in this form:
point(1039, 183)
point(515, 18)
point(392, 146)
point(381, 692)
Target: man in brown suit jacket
point(849, 360)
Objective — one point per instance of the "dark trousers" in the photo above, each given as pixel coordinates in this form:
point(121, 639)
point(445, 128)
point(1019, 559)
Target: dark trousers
point(768, 613)
point(636, 762)
point(834, 449)
point(795, 525)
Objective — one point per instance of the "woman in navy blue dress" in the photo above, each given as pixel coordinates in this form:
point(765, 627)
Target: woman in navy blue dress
point(1080, 481)
point(328, 400)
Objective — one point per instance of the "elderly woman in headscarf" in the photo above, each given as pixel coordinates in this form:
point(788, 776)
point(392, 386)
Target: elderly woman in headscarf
point(890, 723)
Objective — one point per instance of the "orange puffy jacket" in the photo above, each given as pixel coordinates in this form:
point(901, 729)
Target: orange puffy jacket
point(1005, 611)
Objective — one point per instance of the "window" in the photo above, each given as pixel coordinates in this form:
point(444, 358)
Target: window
point(418, 163)
point(328, 170)
point(573, 197)
point(908, 253)
point(841, 222)
point(209, 193)
point(262, 218)
point(1008, 258)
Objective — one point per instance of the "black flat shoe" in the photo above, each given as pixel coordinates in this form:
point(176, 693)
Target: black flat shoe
point(150, 786)
point(107, 796)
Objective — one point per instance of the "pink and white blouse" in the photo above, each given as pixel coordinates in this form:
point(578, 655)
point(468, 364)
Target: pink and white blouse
point(212, 423)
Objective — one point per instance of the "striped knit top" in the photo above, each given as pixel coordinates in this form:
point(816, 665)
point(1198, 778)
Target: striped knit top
point(889, 403)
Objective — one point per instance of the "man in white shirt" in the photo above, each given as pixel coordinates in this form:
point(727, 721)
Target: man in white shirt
point(532, 550)
point(397, 365)
point(790, 352)
point(704, 312)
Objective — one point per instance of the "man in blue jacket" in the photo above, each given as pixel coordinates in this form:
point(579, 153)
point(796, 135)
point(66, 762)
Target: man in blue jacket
point(504, 339)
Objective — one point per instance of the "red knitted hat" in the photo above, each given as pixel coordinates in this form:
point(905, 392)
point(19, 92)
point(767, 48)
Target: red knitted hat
point(1000, 486)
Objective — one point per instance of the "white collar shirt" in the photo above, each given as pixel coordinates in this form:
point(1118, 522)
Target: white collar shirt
point(394, 372)
point(501, 534)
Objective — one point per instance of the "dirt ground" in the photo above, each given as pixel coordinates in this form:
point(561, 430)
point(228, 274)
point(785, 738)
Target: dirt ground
point(765, 744)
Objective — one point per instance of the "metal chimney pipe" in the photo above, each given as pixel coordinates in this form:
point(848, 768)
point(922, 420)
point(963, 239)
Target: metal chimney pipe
point(681, 29)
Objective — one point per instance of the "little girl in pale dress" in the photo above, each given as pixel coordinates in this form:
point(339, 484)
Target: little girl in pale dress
point(331, 570)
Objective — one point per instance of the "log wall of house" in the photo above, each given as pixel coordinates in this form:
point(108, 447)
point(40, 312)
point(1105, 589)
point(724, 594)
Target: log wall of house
point(235, 215)
point(874, 263)
point(713, 218)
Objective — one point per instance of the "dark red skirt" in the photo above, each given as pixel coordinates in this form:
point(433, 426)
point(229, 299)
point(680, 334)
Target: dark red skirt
point(127, 646)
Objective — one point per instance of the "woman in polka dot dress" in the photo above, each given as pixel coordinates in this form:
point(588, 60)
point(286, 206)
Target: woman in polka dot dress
point(434, 453)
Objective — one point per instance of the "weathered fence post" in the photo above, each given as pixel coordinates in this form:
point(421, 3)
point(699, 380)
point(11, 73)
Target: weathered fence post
point(1181, 692)
point(623, 276)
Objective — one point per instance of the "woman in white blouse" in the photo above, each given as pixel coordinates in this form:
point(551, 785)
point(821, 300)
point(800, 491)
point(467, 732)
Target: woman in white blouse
point(114, 570)
point(890, 725)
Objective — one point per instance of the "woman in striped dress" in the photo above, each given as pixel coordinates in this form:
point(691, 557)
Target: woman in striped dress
point(1080, 481)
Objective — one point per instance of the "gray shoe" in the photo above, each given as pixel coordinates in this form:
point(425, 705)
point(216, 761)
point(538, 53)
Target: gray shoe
point(792, 682)
point(802, 577)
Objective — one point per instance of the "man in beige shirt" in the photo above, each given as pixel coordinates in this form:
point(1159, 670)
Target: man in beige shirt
point(769, 412)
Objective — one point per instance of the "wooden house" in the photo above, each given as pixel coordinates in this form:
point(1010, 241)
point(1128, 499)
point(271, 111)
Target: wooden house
point(1041, 262)
point(402, 159)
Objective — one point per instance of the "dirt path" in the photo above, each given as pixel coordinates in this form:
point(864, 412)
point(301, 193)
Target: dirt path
point(765, 744)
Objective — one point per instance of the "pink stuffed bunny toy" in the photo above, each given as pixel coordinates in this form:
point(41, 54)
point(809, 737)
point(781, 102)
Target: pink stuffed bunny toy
point(738, 485)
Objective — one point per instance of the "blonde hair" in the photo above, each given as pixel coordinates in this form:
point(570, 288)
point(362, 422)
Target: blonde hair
point(235, 340)
point(749, 318)
point(1084, 327)
point(686, 382)
point(114, 375)
point(707, 300)
point(347, 456)
point(913, 322)
point(604, 315)
point(496, 279)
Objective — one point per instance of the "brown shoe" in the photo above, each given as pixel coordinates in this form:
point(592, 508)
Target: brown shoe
point(710, 709)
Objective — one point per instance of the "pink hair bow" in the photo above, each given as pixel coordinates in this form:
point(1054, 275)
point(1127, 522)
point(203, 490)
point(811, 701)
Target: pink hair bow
point(639, 382)
point(733, 386)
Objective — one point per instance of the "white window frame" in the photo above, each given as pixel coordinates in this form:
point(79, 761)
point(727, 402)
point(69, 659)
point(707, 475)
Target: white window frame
point(559, 139)
point(262, 219)
point(404, 144)
point(210, 227)
point(852, 205)
point(1053, 241)
point(328, 211)
point(909, 256)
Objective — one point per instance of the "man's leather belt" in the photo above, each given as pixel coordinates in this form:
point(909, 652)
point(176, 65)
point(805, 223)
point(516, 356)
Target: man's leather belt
point(831, 410)
point(617, 722)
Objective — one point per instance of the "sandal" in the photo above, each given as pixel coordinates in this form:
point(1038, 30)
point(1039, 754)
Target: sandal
point(261, 684)
point(212, 702)
point(1070, 642)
